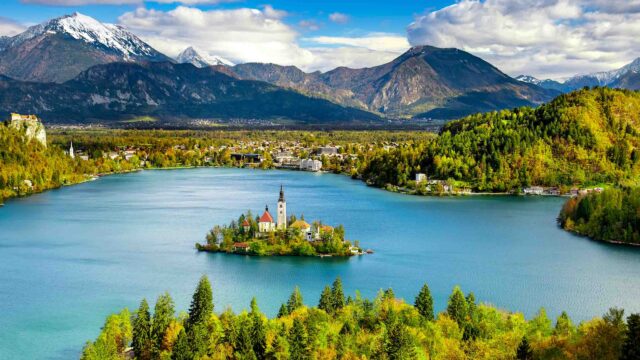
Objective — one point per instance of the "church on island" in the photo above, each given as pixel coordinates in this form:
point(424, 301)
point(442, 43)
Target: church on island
point(278, 235)
point(266, 223)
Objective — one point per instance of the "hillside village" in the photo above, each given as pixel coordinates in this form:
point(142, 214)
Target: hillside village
point(265, 236)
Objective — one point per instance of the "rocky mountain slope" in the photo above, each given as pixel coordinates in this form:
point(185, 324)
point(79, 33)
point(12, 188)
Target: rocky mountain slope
point(121, 91)
point(423, 82)
point(60, 49)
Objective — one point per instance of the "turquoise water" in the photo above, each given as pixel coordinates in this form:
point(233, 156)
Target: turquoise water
point(70, 257)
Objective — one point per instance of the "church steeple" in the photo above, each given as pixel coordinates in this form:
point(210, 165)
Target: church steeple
point(71, 152)
point(282, 211)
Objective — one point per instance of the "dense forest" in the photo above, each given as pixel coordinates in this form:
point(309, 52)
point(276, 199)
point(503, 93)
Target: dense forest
point(611, 215)
point(584, 138)
point(342, 327)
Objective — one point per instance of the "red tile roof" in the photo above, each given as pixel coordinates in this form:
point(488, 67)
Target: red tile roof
point(266, 217)
point(241, 245)
point(245, 223)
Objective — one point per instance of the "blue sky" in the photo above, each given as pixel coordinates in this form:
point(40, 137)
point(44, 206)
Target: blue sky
point(544, 38)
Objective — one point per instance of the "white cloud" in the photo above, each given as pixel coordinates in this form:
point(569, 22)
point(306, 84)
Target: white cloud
point(120, 2)
point(310, 25)
point(339, 18)
point(9, 27)
point(81, 2)
point(376, 42)
point(253, 35)
point(325, 58)
point(546, 38)
point(240, 35)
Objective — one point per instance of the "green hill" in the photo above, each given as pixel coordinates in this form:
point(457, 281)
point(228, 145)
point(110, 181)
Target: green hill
point(582, 138)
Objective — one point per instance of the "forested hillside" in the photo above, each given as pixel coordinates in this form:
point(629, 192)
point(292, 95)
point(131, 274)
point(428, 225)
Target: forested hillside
point(583, 138)
point(611, 215)
point(342, 327)
point(27, 166)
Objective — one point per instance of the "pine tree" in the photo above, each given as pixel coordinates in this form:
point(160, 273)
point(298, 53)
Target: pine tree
point(283, 311)
point(326, 302)
point(524, 350)
point(202, 303)
point(259, 335)
point(563, 325)
point(457, 307)
point(295, 301)
point(397, 342)
point(424, 303)
point(298, 344)
point(258, 331)
point(142, 332)
point(181, 347)
point(389, 294)
point(631, 346)
point(162, 316)
point(337, 295)
point(244, 341)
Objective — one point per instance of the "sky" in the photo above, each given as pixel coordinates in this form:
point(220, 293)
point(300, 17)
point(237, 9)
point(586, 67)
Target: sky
point(544, 38)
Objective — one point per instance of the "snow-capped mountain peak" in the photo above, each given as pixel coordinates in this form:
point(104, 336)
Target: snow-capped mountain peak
point(91, 31)
point(605, 78)
point(528, 79)
point(199, 58)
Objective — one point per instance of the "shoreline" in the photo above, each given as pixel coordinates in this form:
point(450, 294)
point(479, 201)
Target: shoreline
point(93, 177)
point(602, 241)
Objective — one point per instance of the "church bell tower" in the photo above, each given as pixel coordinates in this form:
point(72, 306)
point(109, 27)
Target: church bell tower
point(282, 211)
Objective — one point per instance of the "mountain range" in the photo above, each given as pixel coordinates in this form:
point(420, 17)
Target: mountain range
point(626, 77)
point(69, 57)
point(120, 91)
point(425, 82)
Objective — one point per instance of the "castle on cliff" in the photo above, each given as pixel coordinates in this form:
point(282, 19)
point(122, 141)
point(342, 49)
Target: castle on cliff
point(30, 125)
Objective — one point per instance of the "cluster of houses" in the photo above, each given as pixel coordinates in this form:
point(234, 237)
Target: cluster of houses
point(554, 191)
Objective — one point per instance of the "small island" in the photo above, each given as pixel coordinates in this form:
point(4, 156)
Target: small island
point(262, 236)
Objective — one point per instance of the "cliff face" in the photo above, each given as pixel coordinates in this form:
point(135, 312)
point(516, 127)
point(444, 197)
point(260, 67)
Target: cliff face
point(31, 126)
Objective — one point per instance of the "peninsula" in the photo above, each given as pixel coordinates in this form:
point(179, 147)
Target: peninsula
point(262, 236)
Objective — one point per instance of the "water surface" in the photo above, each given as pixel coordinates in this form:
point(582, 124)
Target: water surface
point(70, 257)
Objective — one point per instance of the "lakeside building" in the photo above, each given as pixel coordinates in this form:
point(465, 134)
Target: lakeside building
point(310, 165)
point(420, 178)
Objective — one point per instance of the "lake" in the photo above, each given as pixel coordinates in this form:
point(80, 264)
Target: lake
point(69, 257)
